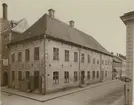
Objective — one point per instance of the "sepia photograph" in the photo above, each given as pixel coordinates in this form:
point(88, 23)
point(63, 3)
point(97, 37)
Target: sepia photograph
point(66, 52)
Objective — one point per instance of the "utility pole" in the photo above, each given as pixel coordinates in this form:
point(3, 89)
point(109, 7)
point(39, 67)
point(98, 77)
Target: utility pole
point(128, 19)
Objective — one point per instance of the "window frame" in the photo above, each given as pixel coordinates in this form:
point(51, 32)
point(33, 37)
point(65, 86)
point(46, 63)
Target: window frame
point(36, 53)
point(67, 55)
point(55, 53)
point(66, 76)
point(55, 77)
point(27, 55)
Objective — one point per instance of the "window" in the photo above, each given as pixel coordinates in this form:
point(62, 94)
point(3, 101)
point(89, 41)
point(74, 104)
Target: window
point(105, 62)
point(13, 57)
point(55, 77)
point(88, 58)
point(55, 53)
point(36, 53)
point(27, 55)
point(93, 74)
point(93, 60)
point(27, 75)
point(19, 75)
point(66, 76)
point(13, 75)
point(105, 73)
point(75, 76)
point(75, 56)
point(102, 61)
point(66, 55)
point(19, 56)
point(98, 62)
point(82, 57)
point(88, 75)
point(97, 74)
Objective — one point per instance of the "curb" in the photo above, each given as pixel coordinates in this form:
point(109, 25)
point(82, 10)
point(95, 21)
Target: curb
point(44, 100)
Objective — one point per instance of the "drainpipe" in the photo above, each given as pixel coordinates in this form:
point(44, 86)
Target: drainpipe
point(100, 68)
point(79, 67)
point(45, 66)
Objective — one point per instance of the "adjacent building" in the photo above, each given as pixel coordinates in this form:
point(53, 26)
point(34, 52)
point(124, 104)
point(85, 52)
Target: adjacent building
point(52, 55)
point(8, 31)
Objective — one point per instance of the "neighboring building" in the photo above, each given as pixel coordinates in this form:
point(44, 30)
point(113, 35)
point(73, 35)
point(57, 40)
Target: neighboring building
point(8, 31)
point(119, 65)
point(53, 55)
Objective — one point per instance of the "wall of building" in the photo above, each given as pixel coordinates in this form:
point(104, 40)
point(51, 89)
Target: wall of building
point(24, 66)
point(61, 65)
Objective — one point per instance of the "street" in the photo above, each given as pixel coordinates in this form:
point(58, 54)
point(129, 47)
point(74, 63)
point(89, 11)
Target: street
point(84, 97)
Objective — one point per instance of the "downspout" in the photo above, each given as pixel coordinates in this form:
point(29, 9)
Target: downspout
point(79, 68)
point(100, 68)
point(44, 65)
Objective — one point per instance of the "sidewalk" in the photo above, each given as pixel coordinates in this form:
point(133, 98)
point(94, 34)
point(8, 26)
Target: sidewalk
point(44, 98)
point(120, 101)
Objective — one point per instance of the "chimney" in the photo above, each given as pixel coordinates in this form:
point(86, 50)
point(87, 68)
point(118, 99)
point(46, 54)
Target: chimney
point(4, 11)
point(71, 23)
point(117, 54)
point(112, 53)
point(51, 13)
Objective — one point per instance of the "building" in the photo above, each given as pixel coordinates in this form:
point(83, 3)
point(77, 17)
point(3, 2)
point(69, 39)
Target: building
point(53, 55)
point(128, 19)
point(8, 31)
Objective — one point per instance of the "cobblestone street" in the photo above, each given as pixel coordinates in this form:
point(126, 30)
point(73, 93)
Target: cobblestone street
point(109, 98)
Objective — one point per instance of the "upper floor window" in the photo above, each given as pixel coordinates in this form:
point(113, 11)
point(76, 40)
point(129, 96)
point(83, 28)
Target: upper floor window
point(75, 56)
point(102, 61)
point(19, 56)
point(55, 77)
point(27, 54)
point(82, 57)
point(75, 76)
point(66, 76)
point(13, 57)
point(93, 60)
point(105, 62)
point(66, 55)
point(97, 61)
point(36, 53)
point(88, 58)
point(55, 53)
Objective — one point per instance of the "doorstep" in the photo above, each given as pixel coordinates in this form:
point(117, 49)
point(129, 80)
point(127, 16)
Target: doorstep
point(44, 98)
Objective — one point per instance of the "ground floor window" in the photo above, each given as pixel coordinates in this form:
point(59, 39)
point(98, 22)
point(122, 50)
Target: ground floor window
point(55, 77)
point(66, 76)
point(13, 75)
point(88, 75)
point(27, 75)
point(97, 74)
point(75, 76)
point(93, 74)
point(19, 75)
point(105, 73)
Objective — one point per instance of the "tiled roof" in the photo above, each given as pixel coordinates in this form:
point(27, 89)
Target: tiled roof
point(58, 29)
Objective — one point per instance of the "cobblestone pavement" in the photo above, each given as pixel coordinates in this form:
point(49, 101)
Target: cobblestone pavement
point(109, 98)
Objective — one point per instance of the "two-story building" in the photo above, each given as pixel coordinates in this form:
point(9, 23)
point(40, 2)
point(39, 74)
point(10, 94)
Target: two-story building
point(53, 55)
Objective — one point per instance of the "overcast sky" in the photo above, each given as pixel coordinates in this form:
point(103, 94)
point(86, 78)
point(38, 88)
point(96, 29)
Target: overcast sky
point(98, 18)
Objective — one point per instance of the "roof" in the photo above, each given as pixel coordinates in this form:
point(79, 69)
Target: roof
point(117, 59)
point(53, 27)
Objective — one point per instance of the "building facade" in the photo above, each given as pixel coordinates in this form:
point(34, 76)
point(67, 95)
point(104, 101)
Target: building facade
point(52, 56)
point(8, 31)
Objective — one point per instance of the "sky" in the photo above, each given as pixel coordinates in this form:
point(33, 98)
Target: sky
point(98, 18)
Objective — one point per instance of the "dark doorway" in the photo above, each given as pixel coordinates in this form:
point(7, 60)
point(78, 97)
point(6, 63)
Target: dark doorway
point(82, 77)
point(36, 79)
point(5, 79)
